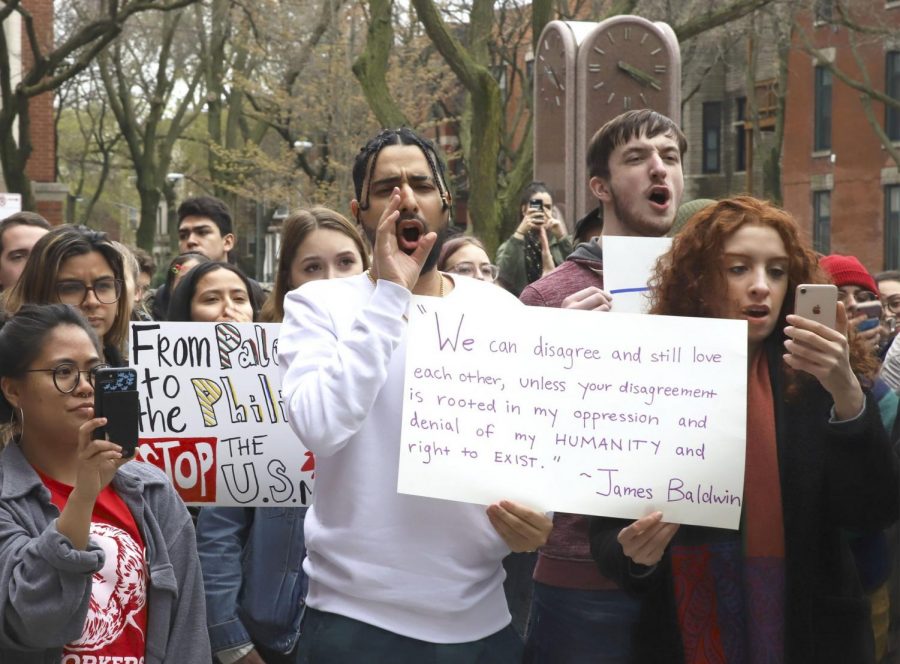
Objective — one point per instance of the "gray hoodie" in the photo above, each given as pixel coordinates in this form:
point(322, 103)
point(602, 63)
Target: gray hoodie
point(46, 583)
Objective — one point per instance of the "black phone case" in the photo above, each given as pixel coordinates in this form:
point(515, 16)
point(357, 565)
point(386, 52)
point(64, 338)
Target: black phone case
point(122, 415)
point(121, 408)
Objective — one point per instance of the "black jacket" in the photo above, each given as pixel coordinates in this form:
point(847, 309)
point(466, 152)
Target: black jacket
point(833, 477)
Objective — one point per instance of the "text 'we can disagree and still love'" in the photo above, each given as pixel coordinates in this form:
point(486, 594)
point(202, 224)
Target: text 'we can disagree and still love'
point(582, 412)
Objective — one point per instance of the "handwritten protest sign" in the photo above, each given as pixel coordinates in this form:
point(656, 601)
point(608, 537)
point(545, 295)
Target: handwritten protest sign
point(576, 411)
point(628, 263)
point(212, 415)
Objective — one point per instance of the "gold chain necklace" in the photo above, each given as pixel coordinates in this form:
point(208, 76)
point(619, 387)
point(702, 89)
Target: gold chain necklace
point(440, 275)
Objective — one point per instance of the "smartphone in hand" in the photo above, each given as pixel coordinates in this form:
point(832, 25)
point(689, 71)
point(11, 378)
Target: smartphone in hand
point(817, 302)
point(116, 399)
point(873, 311)
point(537, 205)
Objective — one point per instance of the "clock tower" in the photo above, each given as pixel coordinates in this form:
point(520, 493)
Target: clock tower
point(554, 111)
point(625, 63)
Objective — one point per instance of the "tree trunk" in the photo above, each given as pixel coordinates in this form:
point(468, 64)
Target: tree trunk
point(146, 231)
point(370, 67)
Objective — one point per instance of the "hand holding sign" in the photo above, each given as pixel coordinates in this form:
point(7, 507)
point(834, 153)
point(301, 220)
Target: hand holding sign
point(521, 528)
point(645, 540)
point(590, 299)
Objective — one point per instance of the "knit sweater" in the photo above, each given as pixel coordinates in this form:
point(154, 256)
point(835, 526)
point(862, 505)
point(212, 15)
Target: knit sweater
point(565, 560)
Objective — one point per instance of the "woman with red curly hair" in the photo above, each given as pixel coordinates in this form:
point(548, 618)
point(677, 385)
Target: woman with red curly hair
point(783, 588)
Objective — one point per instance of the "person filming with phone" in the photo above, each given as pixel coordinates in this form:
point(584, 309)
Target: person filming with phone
point(538, 244)
point(98, 560)
point(859, 293)
point(781, 588)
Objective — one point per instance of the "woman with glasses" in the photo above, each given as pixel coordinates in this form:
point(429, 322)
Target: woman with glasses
point(467, 257)
point(889, 287)
point(98, 560)
point(79, 266)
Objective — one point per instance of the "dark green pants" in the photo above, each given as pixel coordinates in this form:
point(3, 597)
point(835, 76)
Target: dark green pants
point(328, 638)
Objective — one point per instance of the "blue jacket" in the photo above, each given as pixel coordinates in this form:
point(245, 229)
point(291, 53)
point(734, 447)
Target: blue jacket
point(253, 576)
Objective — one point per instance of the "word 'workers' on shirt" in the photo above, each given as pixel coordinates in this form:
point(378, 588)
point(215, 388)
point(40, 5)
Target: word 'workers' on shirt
point(576, 411)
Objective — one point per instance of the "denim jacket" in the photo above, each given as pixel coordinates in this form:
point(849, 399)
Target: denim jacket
point(252, 572)
point(47, 582)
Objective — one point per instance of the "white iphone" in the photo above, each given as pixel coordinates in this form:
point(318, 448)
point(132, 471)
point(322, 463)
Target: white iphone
point(817, 302)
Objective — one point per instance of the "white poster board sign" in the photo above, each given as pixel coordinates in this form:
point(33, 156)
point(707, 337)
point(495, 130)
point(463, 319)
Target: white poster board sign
point(10, 204)
point(212, 414)
point(628, 263)
point(576, 411)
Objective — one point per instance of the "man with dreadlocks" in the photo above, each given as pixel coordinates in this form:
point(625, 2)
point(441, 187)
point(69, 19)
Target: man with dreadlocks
point(392, 578)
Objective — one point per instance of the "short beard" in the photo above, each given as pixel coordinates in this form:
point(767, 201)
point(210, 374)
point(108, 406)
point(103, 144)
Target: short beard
point(432, 258)
point(635, 223)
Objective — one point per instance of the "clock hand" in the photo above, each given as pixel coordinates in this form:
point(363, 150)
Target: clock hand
point(552, 75)
point(639, 75)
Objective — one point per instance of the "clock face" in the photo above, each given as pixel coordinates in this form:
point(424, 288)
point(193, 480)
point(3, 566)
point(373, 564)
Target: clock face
point(554, 111)
point(550, 70)
point(628, 68)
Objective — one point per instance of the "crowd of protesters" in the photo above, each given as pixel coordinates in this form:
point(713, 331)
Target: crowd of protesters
point(101, 562)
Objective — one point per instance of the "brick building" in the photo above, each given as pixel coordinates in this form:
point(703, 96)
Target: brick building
point(838, 179)
point(49, 193)
point(729, 126)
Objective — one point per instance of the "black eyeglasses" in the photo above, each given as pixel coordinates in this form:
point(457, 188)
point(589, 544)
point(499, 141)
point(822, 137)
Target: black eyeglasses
point(106, 291)
point(892, 304)
point(67, 375)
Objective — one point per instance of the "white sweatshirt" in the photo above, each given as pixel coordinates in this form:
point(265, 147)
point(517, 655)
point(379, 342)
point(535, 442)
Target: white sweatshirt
point(423, 568)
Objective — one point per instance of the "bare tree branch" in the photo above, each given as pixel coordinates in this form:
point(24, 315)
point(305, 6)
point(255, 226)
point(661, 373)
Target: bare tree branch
point(714, 18)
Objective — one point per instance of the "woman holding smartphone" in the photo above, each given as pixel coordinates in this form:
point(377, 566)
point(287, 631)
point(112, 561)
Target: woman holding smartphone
point(97, 556)
point(538, 244)
point(782, 588)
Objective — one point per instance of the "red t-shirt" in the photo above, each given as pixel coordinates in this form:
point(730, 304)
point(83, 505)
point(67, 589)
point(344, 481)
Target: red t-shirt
point(116, 623)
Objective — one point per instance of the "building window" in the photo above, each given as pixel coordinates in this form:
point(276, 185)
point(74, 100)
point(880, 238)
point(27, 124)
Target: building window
point(892, 89)
point(712, 136)
point(822, 124)
point(892, 227)
point(740, 134)
point(822, 221)
point(824, 9)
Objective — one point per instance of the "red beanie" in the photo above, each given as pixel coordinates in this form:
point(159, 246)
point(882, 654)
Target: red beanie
point(848, 271)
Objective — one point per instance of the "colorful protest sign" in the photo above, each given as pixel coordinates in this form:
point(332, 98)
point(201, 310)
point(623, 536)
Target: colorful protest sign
point(212, 415)
point(628, 263)
point(576, 411)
